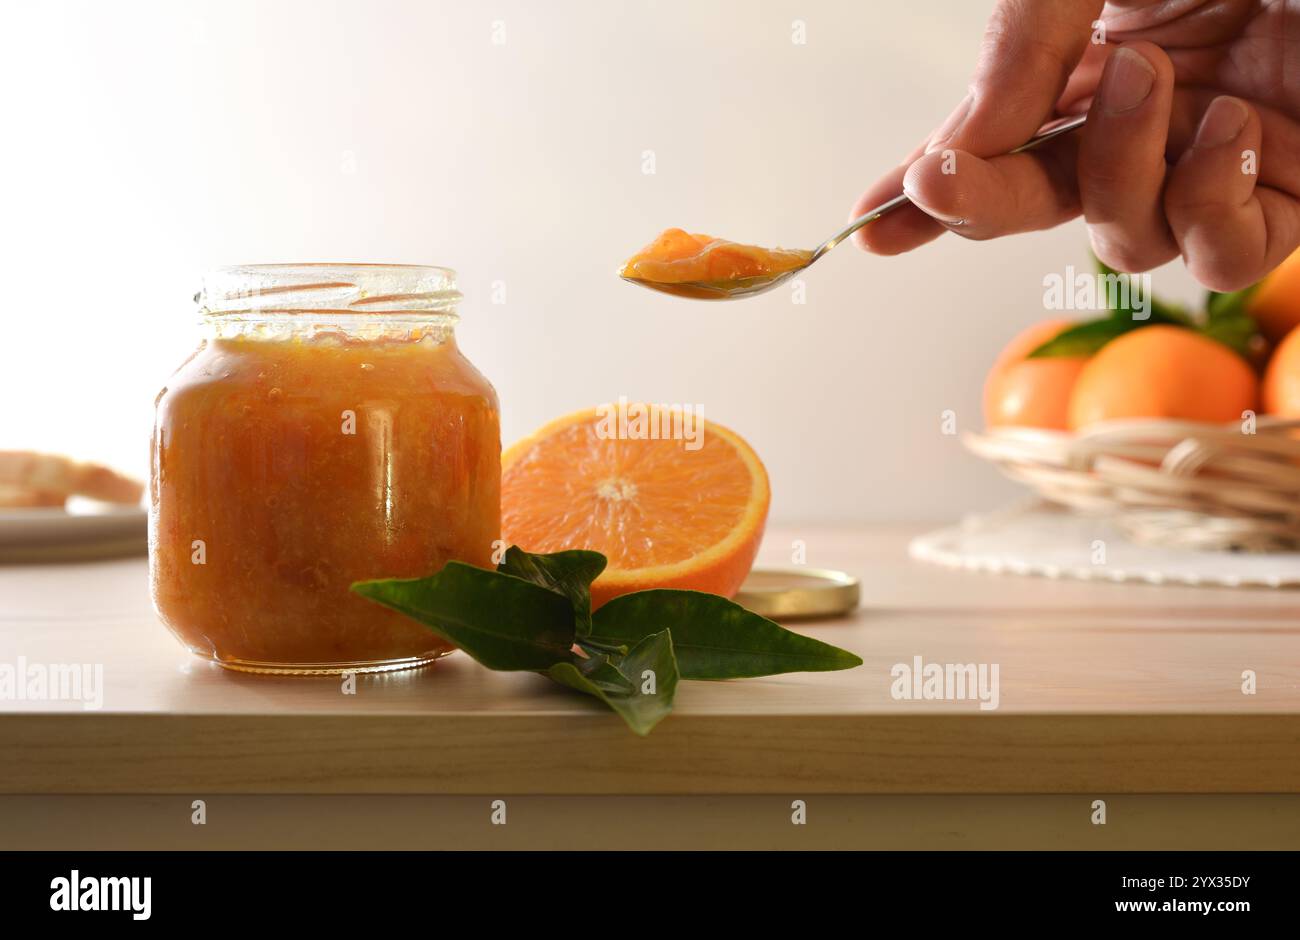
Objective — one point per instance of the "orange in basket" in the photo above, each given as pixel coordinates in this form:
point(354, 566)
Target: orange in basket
point(1275, 305)
point(1164, 372)
point(1031, 392)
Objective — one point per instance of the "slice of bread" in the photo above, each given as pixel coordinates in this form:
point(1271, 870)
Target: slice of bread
point(24, 497)
point(99, 482)
point(61, 477)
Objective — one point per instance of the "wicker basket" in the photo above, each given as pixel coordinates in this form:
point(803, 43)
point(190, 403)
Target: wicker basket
point(1175, 483)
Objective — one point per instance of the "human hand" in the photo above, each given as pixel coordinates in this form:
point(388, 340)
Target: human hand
point(1192, 145)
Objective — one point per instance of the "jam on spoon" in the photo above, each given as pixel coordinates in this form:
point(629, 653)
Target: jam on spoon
point(708, 268)
point(679, 262)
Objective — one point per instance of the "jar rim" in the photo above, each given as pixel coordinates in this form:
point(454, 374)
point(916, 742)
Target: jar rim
point(251, 291)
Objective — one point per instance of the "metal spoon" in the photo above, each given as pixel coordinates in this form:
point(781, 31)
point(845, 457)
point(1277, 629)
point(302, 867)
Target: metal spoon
point(749, 286)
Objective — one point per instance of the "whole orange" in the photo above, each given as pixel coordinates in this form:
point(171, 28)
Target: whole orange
point(1281, 388)
point(1275, 306)
point(1031, 392)
point(1163, 372)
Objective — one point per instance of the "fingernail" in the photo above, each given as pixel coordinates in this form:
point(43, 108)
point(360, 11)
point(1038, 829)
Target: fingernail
point(946, 220)
point(1127, 83)
point(1223, 121)
point(948, 129)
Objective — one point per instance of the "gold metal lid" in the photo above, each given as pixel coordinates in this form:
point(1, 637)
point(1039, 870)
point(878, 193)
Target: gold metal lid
point(799, 593)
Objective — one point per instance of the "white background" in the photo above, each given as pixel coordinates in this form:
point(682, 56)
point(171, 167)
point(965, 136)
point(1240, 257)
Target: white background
point(148, 142)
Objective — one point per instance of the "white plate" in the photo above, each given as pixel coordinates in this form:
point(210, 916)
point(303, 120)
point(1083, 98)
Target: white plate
point(84, 530)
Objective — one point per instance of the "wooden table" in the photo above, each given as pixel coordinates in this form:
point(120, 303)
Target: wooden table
point(1105, 690)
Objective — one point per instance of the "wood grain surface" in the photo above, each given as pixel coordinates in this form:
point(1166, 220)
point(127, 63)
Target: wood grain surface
point(1103, 688)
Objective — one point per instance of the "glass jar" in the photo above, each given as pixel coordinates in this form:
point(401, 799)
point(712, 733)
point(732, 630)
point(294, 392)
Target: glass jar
point(327, 430)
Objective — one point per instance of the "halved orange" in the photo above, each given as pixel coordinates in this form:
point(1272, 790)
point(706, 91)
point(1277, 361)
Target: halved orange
point(683, 511)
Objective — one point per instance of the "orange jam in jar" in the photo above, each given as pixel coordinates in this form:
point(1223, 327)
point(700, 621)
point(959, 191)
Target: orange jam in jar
point(327, 430)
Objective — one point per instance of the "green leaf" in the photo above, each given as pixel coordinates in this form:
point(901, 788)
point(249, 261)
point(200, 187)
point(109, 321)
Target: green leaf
point(1164, 312)
point(1121, 310)
point(1228, 321)
point(594, 648)
point(597, 671)
point(1159, 311)
point(714, 638)
point(569, 573)
point(624, 682)
point(527, 615)
point(1230, 305)
point(502, 621)
point(1238, 333)
point(1084, 339)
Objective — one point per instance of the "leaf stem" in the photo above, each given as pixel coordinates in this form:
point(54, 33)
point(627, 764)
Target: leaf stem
point(587, 642)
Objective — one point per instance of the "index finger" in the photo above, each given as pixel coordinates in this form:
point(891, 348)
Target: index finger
point(1030, 48)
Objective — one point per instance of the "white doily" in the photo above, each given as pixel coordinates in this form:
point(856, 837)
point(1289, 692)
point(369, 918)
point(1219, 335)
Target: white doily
point(1042, 539)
